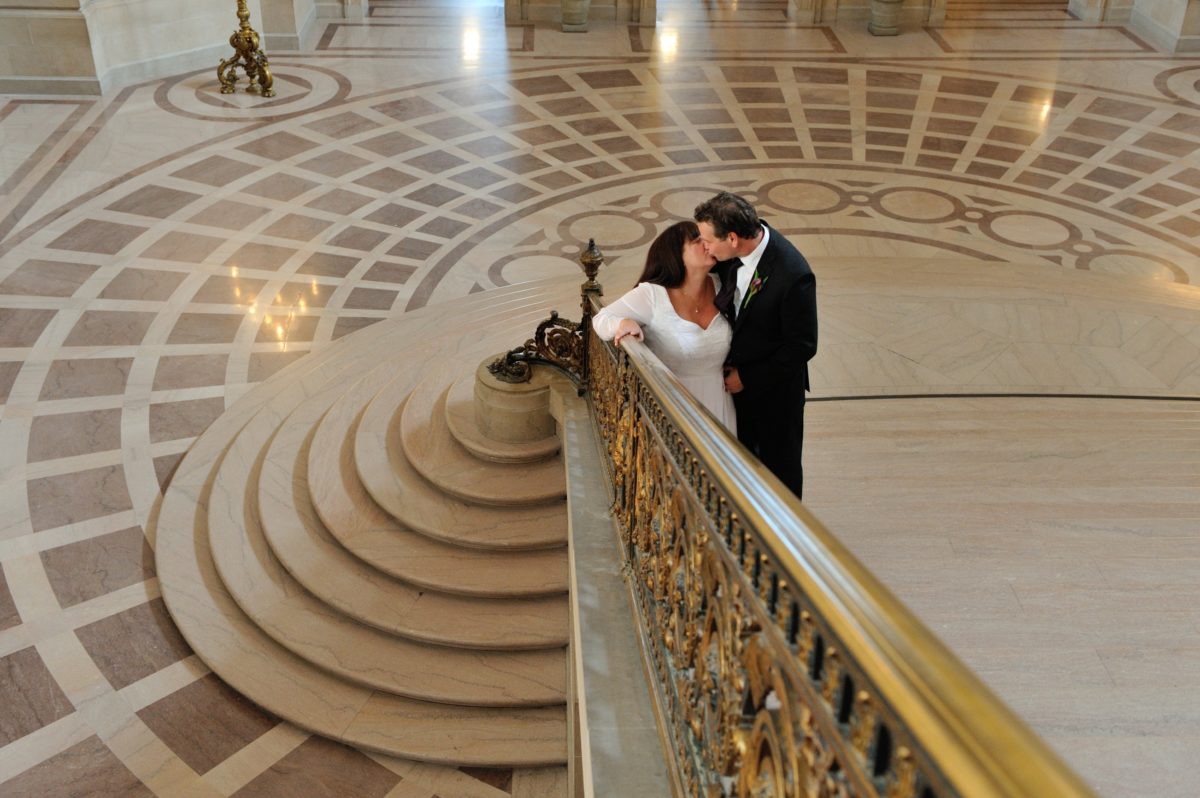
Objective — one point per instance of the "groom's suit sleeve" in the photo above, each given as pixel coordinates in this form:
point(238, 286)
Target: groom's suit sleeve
point(796, 321)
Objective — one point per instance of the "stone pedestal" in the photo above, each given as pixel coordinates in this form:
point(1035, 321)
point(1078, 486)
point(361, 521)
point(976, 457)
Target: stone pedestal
point(575, 15)
point(885, 17)
point(514, 412)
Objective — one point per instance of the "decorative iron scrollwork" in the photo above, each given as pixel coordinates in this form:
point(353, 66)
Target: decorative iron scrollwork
point(750, 681)
point(557, 342)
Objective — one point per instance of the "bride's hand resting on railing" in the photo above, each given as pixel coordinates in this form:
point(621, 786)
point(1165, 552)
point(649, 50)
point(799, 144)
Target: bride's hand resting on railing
point(627, 328)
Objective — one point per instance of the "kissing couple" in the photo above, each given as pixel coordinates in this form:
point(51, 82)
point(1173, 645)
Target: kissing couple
point(730, 307)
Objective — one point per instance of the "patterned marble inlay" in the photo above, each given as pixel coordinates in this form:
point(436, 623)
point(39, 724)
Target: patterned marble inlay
point(205, 722)
point(32, 697)
point(86, 770)
point(320, 767)
point(1004, 176)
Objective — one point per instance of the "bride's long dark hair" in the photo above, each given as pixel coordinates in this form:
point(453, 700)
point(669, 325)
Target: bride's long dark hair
point(664, 261)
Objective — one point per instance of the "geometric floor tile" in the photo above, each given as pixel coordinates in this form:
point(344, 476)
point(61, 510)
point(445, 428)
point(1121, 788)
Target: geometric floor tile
point(133, 644)
point(322, 769)
point(96, 566)
point(142, 250)
point(29, 695)
point(86, 770)
point(205, 722)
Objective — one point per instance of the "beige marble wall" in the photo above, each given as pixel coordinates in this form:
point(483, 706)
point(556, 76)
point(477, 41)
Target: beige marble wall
point(289, 24)
point(642, 11)
point(1172, 26)
point(812, 11)
point(1118, 10)
point(45, 47)
point(914, 13)
point(341, 9)
point(1088, 10)
point(136, 40)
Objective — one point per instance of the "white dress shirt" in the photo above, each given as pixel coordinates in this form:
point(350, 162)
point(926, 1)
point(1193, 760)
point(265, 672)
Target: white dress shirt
point(746, 270)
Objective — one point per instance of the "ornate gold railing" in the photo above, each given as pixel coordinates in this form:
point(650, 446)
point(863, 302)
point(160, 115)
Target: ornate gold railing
point(783, 667)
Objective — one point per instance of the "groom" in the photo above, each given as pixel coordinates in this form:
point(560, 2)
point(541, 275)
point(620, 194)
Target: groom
point(770, 296)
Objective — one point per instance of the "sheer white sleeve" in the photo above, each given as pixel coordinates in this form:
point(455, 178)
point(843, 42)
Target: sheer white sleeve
point(637, 304)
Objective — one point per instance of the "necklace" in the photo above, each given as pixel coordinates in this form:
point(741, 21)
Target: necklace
point(694, 305)
point(697, 303)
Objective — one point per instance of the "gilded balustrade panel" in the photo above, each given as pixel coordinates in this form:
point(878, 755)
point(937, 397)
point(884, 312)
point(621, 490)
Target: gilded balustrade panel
point(760, 692)
point(758, 700)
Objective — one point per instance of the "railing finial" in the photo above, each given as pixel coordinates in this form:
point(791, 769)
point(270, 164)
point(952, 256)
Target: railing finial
point(592, 260)
point(558, 342)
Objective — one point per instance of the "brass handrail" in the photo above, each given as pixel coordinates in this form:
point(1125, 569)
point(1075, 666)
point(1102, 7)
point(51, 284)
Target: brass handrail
point(814, 678)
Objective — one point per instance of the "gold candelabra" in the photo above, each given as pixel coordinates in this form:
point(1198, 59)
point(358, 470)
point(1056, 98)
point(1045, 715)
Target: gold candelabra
point(247, 55)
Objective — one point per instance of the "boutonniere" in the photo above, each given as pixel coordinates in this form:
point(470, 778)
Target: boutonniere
point(756, 284)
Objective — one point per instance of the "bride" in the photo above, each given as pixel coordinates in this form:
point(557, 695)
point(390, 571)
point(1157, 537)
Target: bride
point(672, 309)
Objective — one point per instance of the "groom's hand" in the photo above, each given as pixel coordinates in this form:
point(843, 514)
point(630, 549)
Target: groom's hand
point(733, 381)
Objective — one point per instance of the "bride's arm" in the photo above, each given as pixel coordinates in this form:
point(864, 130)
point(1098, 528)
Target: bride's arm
point(625, 316)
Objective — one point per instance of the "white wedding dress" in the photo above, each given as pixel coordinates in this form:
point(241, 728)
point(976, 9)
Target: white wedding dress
point(694, 354)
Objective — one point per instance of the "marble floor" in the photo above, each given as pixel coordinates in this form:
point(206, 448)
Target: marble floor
point(165, 248)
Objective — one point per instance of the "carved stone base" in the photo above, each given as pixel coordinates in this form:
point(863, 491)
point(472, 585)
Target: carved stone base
point(575, 16)
point(514, 412)
point(885, 17)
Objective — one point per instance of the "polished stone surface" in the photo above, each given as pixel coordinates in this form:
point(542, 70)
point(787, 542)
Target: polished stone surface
point(1007, 204)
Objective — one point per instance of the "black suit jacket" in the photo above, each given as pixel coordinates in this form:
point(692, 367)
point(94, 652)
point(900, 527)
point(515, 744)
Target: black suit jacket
point(774, 337)
point(775, 333)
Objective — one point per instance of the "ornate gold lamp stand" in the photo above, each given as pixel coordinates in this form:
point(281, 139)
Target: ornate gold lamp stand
point(247, 55)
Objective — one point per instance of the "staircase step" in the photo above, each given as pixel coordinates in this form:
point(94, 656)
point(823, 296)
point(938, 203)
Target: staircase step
point(460, 419)
point(401, 491)
point(301, 543)
point(362, 527)
point(274, 677)
point(289, 687)
point(250, 662)
point(433, 452)
point(350, 650)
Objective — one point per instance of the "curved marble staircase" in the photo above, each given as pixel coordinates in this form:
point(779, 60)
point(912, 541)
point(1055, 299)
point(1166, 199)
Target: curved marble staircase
point(347, 548)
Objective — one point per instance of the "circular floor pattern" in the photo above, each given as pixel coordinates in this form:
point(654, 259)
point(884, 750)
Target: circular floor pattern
point(134, 316)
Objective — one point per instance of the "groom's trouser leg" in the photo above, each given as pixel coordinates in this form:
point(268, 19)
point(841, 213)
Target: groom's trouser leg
point(776, 438)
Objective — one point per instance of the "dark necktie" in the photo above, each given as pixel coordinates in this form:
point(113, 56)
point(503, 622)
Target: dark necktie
point(724, 298)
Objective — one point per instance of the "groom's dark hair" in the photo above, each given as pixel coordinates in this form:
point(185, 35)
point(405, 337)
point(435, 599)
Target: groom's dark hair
point(729, 213)
point(664, 259)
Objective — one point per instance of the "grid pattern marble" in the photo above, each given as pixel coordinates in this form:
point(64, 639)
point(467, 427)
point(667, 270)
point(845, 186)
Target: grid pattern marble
point(163, 249)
